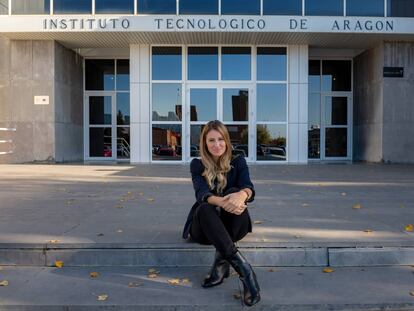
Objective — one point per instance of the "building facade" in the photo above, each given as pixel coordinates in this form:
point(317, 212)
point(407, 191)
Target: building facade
point(296, 81)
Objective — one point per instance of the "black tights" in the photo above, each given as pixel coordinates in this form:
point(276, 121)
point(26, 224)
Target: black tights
point(213, 225)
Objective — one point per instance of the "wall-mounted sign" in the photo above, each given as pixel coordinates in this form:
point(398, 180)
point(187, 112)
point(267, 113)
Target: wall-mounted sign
point(393, 72)
point(41, 100)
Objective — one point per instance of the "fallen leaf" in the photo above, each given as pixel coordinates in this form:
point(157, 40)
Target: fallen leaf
point(102, 297)
point(234, 273)
point(412, 293)
point(305, 204)
point(152, 270)
point(119, 206)
point(1, 268)
point(129, 193)
point(297, 236)
point(151, 200)
point(368, 230)
point(236, 296)
point(356, 206)
point(141, 194)
point(134, 284)
point(328, 270)
point(152, 276)
point(59, 263)
point(94, 274)
point(119, 231)
point(173, 281)
point(54, 241)
point(185, 281)
point(70, 202)
point(343, 193)
point(4, 283)
point(258, 222)
point(271, 270)
point(100, 234)
point(409, 228)
point(122, 200)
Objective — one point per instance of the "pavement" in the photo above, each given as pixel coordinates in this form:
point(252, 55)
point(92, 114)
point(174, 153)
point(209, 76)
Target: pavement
point(123, 220)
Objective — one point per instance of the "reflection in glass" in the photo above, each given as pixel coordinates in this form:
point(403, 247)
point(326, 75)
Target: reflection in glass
point(240, 7)
point(195, 132)
point(235, 104)
point(123, 143)
point(336, 75)
point(114, 6)
point(99, 74)
point(336, 142)
point(166, 102)
point(203, 104)
point(166, 63)
point(157, 6)
point(235, 63)
point(202, 63)
point(314, 125)
point(365, 8)
point(30, 7)
point(271, 142)
point(4, 7)
point(72, 6)
point(122, 74)
point(100, 110)
point(271, 102)
point(198, 6)
point(314, 142)
point(100, 142)
point(166, 142)
point(239, 138)
point(282, 7)
point(314, 76)
point(122, 109)
point(271, 63)
point(336, 110)
point(324, 7)
point(400, 8)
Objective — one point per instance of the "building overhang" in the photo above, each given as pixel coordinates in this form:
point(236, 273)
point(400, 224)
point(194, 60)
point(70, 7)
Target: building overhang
point(114, 31)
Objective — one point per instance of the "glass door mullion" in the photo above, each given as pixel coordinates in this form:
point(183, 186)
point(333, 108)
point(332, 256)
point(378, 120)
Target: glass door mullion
point(322, 131)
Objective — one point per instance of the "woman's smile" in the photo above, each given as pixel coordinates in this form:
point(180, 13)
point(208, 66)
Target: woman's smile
point(216, 144)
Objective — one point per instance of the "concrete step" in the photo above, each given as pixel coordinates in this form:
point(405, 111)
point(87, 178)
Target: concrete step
point(130, 288)
point(188, 254)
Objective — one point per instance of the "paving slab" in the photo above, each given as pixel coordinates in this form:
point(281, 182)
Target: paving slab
point(35, 288)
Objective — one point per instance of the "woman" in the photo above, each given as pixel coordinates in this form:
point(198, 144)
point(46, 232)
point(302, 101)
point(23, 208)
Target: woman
point(222, 187)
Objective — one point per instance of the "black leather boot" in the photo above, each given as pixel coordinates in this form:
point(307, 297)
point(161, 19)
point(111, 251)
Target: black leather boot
point(248, 278)
point(219, 271)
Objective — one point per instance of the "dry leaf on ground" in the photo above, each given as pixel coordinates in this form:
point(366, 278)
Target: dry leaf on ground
point(94, 274)
point(412, 293)
point(368, 230)
point(119, 231)
point(4, 283)
point(173, 281)
point(151, 200)
point(327, 270)
point(134, 284)
point(102, 297)
point(59, 263)
point(356, 206)
point(152, 276)
point(409, 228)
point(236, 296)
point(152, 270)
point(54, 241)
point(258, 222)
point(185, 281)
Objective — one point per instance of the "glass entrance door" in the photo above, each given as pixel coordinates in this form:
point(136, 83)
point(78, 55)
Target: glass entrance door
point(229, 104)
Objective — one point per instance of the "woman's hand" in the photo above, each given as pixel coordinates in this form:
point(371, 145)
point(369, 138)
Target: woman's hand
point(234, 202)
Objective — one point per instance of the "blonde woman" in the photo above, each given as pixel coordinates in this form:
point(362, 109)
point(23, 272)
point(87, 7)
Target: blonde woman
point(222, 188)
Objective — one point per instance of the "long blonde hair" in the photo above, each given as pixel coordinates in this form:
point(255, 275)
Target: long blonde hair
point(215, 170)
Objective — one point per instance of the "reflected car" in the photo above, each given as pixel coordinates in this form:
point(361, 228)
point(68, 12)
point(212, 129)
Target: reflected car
point(243, 147)
point(277, 152)
point(155, 148)
point(239, 151)
point(167, 151)
point(107, 153)
point(260, 150)
point(194, 152)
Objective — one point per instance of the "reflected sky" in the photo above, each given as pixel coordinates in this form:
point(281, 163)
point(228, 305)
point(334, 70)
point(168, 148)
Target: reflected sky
point(166, 63)
point(122, 75)
point(202, 63)
point(165, 98)
point(235, 63)
point(271, 64)
point(240, 7)
point(314, 110)
point(365, 8)
point(292, 7)
point(324, 7)
point(198, 6)
point(271, 102)
point(114, 6)
point(72, 6)
point(203, 104)
point(157, 7)
point(122, 108)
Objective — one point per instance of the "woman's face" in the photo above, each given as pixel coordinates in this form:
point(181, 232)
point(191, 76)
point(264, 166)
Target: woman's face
point(216, 144)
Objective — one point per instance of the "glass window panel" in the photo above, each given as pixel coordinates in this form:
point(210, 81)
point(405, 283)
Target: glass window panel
point(314, 143)
point(282, 7)
point(324, 7)
point(195, 133)
point(235, 63)
point(123, 143)
point(336, 110)
point(239, 138)
point(100, 74)
point(400, 8)
point(166, 142)
point(166, 102)
point(198, 6)
point(30, 7)
point(336, 75)
point(100, 110)
point(202, 63)
point(166, 63)
point(365, 8)
point(203, 104)
point(122, 74)
point(271, 142)
point(271, 63)
point(314, 76)
point(114, 6)
point(100, 142)
point(336, 142)
point(314, 125)
point(240, 7)
point(4, 7)
point(157, 6)
point(122, 109)
point(235, 104)
point(271, 102)
point(72, 6)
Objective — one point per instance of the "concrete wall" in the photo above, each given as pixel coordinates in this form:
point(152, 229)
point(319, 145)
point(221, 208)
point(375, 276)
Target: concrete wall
point(398, 117)
point(28, 69)
point(368, 106)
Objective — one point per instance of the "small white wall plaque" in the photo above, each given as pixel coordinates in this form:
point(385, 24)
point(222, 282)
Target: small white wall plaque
point(41, 100)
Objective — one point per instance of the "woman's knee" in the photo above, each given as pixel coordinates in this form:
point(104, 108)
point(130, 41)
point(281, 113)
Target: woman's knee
point(205, 209)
